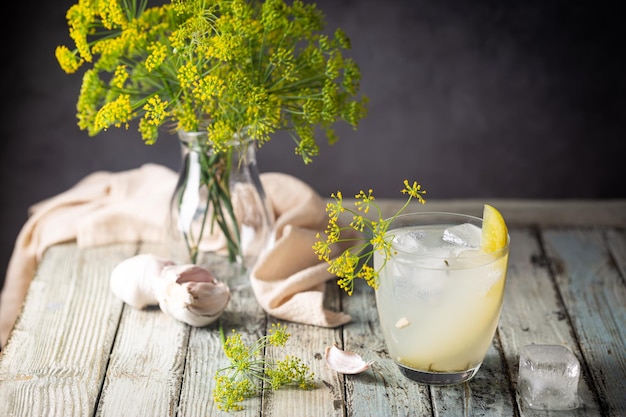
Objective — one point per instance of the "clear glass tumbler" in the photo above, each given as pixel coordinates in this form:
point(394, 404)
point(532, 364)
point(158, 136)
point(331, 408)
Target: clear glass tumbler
point(439, 296)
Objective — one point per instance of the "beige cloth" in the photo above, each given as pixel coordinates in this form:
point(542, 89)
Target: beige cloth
point(131, 206)
point(288, 280)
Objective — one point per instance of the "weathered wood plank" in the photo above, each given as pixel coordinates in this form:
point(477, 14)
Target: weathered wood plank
point(146, 368)
point(617, 245)
point(526, 212)
point(308, 343)
point(382, 390)
point(148, 357)
point(62, 339)
point(205, 356)
point(533, 314)
point(485, 395)
point(595, 297)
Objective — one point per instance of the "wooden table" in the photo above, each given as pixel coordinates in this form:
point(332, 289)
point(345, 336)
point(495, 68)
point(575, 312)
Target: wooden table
point(79, 351)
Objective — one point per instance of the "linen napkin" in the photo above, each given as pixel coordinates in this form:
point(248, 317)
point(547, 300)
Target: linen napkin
point(131, 206)
point(288, 280)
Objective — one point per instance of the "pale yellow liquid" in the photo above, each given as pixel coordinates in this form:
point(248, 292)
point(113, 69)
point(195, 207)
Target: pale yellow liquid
point(440, 319)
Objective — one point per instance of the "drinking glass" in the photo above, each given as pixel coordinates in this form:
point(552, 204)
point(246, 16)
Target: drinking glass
point(439, 296)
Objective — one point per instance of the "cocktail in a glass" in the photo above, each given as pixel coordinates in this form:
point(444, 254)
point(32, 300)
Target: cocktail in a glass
point(439, 296)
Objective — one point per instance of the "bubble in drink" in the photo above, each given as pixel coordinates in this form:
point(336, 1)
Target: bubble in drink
point(548, 377)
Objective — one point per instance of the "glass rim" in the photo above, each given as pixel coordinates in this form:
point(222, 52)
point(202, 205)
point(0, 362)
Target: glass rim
point(489, 257)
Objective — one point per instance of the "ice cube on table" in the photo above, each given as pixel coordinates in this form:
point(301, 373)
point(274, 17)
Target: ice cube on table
point(548, 377)
point(463, 235)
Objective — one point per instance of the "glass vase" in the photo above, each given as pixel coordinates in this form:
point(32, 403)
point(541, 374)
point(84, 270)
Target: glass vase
point(220, 217)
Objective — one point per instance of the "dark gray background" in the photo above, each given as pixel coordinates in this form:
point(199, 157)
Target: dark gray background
point(478, 99)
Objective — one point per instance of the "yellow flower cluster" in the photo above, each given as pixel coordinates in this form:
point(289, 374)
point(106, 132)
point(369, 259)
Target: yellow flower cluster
point(245, 375)
point(355, 262)
point(225, 66)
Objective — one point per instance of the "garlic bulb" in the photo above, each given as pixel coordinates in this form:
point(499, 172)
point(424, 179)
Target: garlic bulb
point(345, 362)
point(188, 293)
point(191, 294)
point(132, 279)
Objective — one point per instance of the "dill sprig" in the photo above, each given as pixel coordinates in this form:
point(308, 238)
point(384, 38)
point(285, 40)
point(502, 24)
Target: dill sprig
point(355, 262)
point(249, 372)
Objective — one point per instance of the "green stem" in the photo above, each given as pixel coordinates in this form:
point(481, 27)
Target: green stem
point(222, 334)
point(216, 169)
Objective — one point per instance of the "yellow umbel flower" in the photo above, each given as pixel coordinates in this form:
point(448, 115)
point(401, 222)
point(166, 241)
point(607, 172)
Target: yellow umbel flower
point(112, 14)
point(354, 262)
point(247, 374)
point(224, 66)
point(69, 61)
point(158, 53)
point(363, 201)
point(119, 77)
point(414, 190)
point(155, 113)
point(278, 335)
point(114, 113)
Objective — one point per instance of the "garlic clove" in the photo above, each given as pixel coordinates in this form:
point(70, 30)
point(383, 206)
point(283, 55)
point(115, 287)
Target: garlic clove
point(208, 299)
point(132, 279)
point(345, 362)
point(191, 273)
point(191, 294)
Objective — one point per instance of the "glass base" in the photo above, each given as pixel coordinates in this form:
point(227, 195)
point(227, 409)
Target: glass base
point(438, 378)
point(233, 274)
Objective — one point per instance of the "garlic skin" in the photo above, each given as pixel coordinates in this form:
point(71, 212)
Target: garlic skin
point(132, 279)
point(191, 294)
point(345, 362)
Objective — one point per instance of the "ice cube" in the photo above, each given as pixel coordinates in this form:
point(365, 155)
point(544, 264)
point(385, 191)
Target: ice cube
point(463, 235)
point(548, 377)
point(409, 241)
point(411, 286)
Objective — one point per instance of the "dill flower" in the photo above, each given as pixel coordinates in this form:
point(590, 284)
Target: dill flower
point(354, 262)
point(224, 66)
point(233, 69)
point(247, 375)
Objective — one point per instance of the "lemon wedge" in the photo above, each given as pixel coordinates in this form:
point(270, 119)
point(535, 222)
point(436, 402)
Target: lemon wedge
point(494, 234)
